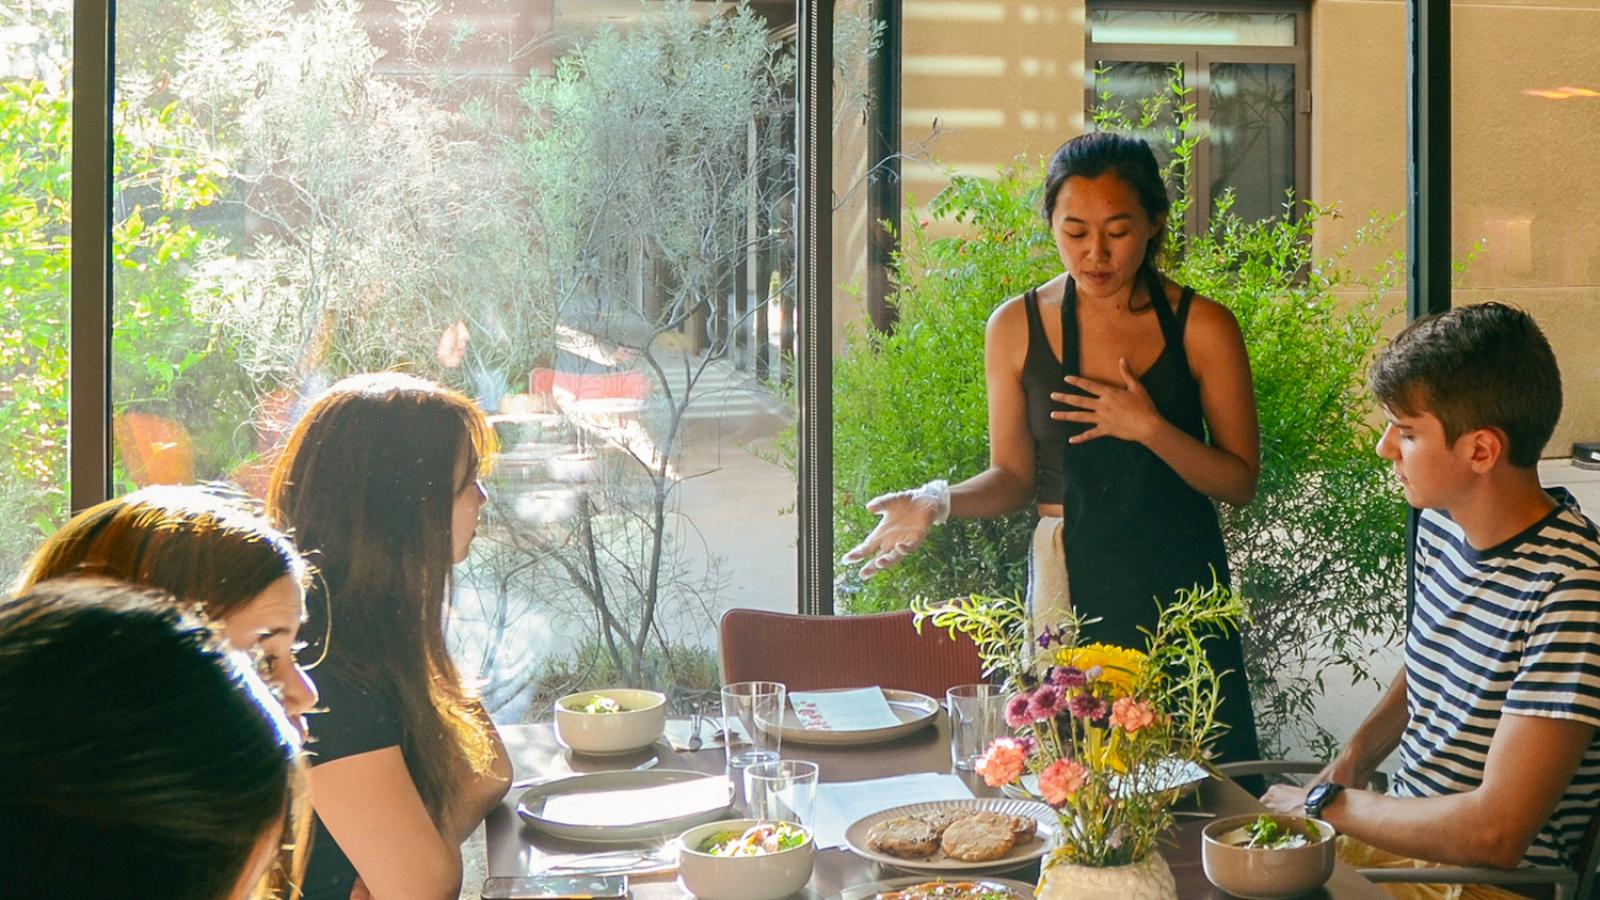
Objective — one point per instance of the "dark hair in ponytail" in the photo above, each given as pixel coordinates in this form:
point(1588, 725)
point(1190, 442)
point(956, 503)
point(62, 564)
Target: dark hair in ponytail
point(1130, 159)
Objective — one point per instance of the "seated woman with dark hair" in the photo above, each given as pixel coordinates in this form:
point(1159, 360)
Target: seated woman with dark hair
point(141, 757)
point(379, 481)
point(212, 553)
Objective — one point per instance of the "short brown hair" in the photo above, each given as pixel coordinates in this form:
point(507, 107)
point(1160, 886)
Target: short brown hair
point(1481, 366)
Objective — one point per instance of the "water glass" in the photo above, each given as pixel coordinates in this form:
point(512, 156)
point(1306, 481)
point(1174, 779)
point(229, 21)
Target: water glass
point(782, 791)
point(977, 714)
point(751, 714)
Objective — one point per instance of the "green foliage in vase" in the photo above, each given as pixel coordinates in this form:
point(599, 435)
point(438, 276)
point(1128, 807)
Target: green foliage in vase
point(1320, 552)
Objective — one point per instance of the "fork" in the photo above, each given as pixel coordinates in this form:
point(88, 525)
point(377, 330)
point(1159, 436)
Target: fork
point(697, 713)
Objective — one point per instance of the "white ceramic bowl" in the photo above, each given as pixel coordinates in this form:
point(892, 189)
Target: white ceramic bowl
point(1256, 873)
point(639, 725)
point(770, 876)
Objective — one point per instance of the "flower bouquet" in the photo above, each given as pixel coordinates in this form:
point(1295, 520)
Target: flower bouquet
point(1100, 728)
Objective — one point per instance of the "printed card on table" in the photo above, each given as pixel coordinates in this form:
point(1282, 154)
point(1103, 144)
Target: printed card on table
point(853, 710)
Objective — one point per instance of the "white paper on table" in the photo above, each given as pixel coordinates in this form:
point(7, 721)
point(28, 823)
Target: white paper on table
point(637, 805)
point(841, 804)
point(859, 709)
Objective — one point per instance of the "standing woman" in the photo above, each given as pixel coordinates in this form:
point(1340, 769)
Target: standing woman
point(1120, 407)
point(379, 482)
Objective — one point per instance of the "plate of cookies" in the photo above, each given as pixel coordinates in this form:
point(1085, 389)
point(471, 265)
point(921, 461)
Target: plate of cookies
point(956, 835)
point(919, 887)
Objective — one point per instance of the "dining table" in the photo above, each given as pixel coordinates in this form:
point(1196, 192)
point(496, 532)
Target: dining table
point(514, 848)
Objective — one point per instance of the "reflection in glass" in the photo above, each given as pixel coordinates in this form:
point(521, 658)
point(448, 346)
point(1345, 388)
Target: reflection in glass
point(1252, 136)
point(580, 216)
point(1217, 29)
point(1126, 86)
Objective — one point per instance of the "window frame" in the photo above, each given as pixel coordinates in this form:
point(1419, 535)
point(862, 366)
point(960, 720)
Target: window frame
point(1197, 60)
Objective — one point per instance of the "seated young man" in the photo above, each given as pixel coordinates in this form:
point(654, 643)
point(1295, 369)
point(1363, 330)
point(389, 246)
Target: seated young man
point(1495, 707)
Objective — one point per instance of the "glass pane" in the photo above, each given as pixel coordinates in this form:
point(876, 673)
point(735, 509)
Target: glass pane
point(1524, 203)
point(1252, 136)
point(581, 216)
point(1128, 88)
point(35, 201)
point(984, 103)
point(1217, 29)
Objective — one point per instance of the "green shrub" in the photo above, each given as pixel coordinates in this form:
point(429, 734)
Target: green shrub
point(1319, 553)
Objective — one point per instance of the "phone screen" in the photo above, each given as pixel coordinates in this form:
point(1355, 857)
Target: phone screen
point(552, 887)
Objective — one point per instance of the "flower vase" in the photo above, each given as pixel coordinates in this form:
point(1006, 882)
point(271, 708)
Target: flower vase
point(1147, 879)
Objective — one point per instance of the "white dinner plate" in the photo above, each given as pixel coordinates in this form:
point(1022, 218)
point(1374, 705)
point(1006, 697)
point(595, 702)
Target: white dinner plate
point(1048, 834)
point(627, 825)
point(915, 711)
point(1022, 889)
point(1173, 775)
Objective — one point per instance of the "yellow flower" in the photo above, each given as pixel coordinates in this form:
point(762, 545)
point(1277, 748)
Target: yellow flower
point(1119, 667)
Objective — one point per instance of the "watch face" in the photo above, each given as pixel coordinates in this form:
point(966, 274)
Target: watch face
point(1319, 797)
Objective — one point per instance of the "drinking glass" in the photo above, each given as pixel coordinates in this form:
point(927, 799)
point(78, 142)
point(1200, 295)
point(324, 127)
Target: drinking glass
point(977, 712)
point(751, 714)
point(782, 791)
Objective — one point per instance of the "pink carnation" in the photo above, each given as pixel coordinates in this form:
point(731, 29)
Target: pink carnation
point(1068, 677)
point(1047, 702)
point(1087, 706)
point(1060, 780)
point(1017, 711)
point(1131, 715)
point(1002, 762)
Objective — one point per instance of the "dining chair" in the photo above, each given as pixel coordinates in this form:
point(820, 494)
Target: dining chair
point(819, 652)
point(1555, 882)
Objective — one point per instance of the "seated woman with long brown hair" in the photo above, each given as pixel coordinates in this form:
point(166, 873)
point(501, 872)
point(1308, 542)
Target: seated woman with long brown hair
point(215, 554)
point(379, 483)
point(139, 754)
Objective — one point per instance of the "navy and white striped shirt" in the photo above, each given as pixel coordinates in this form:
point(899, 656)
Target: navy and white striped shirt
point(1511, 629)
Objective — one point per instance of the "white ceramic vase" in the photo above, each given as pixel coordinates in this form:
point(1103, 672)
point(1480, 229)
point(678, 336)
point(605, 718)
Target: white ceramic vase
point(1148, 879)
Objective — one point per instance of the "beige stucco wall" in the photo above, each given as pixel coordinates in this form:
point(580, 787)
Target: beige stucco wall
point(1004, 77)
point(1524, 173)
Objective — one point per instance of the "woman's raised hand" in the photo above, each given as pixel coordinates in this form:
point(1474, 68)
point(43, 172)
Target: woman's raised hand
point(904, 520)
point(1125, 412)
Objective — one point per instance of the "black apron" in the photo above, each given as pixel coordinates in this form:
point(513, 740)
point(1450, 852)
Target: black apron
point(1135, 533)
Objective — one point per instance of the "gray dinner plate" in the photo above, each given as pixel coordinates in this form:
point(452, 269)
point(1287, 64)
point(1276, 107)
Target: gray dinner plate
point(531, 807)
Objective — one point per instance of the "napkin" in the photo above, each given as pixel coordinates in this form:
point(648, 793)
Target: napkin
point(637, 805)
point(860, 709)
point(841, 804)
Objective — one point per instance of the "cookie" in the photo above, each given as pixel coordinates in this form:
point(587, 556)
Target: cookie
point(978, 838)
point(1024, 828)
point(907, 838)
point(940, 819)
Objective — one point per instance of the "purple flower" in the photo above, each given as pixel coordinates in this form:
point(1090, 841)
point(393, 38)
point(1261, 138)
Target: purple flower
point(1017, 711)
point(1094, 673)
point(1087, 706)
point(1068, 677)
point(1047, 702)
point(1045, 638)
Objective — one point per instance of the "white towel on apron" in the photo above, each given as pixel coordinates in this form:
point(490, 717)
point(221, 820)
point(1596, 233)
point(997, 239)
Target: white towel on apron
point(1049, 599)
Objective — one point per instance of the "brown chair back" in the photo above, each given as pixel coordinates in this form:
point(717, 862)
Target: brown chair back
point(817, 652)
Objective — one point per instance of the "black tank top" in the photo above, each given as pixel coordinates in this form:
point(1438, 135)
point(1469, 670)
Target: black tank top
point(1134, 531)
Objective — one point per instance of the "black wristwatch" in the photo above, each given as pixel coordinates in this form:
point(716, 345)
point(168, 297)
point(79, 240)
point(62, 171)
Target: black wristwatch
point(1320, 796)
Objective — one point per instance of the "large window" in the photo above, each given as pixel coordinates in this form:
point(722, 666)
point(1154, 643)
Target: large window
point(1248, 72)
point(581, 214)
point(35, 196)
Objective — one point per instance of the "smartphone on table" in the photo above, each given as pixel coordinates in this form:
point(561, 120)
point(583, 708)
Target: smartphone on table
point(555, 887)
